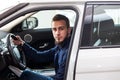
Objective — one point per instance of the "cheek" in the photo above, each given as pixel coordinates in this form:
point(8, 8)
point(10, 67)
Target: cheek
point(53, 34)
point(64, 34)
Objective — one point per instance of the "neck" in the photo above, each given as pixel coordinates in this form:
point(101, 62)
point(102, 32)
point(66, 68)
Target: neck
point(66, 40)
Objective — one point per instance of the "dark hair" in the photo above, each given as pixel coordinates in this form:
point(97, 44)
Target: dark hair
point(58, 17)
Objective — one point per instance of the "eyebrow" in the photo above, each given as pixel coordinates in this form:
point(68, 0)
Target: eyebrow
point(59, 27)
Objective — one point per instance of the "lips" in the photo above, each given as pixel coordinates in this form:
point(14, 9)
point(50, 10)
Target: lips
point(58, 38)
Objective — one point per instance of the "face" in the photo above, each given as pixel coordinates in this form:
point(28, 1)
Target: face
point(60, 30)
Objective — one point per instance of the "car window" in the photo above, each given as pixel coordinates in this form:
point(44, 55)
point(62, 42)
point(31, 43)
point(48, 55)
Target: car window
point(45, 22)
point(101, 25)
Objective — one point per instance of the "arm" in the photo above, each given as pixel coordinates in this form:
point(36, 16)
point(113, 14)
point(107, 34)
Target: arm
point(38, 56)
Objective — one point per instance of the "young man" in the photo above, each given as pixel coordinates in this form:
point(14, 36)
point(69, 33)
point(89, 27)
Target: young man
point(61, 33)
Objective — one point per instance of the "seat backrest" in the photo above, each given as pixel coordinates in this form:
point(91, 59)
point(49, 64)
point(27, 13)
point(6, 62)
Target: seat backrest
point(106, 31)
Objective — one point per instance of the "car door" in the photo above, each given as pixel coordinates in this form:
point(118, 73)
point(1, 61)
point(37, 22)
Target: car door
point(99, 50)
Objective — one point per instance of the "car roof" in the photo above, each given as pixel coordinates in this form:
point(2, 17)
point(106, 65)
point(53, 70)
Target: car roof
point(49, 1)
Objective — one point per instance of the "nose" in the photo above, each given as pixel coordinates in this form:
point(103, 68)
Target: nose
point(57, 31)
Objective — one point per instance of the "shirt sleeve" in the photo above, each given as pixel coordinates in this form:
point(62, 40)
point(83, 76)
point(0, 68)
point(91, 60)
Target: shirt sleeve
point(38, 56)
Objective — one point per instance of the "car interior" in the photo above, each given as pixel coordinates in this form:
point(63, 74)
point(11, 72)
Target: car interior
point(35, 33)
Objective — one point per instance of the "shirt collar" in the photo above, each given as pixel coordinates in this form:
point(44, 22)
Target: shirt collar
point(65, 43)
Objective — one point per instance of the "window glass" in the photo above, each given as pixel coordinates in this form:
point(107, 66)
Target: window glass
point(44, 18)
point(101, 25)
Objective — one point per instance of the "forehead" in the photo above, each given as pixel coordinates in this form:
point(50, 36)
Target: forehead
point(59, 23)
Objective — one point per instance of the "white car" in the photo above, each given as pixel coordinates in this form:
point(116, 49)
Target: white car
point(94, 52)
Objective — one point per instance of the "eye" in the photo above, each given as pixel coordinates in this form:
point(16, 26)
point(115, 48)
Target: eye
point(61, 28)
point(54, 29)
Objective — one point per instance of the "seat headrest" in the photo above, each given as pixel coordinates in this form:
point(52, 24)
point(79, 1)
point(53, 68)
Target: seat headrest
point(106, 29)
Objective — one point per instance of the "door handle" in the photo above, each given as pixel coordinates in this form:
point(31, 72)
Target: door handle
point(43, 46)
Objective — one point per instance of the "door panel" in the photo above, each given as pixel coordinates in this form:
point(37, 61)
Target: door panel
point(98, 64)
point(38, 40)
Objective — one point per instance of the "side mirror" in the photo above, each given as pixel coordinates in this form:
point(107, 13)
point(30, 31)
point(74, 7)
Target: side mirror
point(30, 23)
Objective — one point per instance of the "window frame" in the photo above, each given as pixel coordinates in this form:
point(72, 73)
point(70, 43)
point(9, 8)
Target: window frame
point(91, 23)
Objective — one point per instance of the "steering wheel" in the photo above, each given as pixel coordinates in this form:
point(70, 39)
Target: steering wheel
point(17, 57)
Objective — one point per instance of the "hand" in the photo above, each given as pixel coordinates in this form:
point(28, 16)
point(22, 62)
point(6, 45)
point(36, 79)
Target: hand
point(19, 41)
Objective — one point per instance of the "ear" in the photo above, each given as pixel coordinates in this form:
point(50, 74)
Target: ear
point(69, 31)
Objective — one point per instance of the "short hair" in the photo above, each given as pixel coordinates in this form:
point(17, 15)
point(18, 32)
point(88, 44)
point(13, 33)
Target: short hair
point(58, 17)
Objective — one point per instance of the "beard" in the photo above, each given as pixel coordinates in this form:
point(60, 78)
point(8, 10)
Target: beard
point(58, 42)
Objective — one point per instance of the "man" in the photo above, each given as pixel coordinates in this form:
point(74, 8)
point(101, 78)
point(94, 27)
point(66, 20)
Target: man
point(61, 33)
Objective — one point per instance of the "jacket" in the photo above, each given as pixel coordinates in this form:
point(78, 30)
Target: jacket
point(58, 54)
